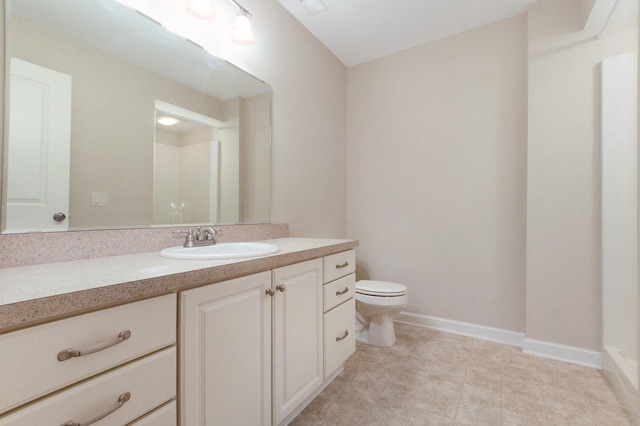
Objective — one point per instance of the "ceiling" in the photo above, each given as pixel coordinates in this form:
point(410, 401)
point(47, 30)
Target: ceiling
point(357, 31)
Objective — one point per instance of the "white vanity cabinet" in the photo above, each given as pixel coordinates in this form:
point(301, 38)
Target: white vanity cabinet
point(254, 350)
point(225, 353)
point(227, 332)
point(298, 335)
point(126, 354)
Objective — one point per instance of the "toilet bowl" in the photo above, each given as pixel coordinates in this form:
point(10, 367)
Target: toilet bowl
point(376, 303)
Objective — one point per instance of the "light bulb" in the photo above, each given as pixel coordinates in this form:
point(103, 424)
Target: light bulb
point(202, 9)
point(242, 32)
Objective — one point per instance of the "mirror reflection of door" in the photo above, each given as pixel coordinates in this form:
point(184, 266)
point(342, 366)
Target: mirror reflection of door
point(38, 148)
point(188, 172)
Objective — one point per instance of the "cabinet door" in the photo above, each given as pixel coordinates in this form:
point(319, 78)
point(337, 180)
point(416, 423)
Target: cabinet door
point(298, 335)
point(225, 353)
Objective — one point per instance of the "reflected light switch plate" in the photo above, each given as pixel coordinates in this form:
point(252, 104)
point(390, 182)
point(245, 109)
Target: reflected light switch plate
point(99, 199)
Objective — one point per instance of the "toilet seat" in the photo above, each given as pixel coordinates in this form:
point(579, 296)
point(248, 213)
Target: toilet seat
point(380, 288)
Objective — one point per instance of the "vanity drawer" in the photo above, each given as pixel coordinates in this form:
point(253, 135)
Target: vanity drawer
point(150, 382)
point(339, 264)
point(31, 369)
point(167, 415)
point(338, 291)
point(339, 335)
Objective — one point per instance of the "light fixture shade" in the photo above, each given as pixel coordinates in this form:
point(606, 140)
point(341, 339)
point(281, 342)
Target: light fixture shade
point(202, 9)
point(242, 32)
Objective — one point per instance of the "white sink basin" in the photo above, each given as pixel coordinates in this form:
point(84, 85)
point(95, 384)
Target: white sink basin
point(220, 251)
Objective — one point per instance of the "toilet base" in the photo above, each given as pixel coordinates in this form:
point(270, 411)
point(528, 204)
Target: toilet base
point(380, 332)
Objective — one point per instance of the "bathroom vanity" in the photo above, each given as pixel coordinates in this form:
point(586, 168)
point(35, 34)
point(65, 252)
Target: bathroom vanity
point(245, 341)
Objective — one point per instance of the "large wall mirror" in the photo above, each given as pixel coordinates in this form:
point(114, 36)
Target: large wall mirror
point(111, 121)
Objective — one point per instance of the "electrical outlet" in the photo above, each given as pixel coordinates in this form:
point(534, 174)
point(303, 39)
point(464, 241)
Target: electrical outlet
point(99, 199)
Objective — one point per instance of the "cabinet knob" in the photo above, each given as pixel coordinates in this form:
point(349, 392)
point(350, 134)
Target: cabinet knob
point(271, 292)
point(281, 288)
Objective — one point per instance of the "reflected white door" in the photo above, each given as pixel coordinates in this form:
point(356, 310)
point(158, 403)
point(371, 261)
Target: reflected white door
point(38, 148)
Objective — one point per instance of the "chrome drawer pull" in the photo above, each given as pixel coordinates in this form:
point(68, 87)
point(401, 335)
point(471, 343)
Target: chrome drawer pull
point(103, 413)
point(344, 265)
point(345, 291)
point(73, 353)
point(346, 333)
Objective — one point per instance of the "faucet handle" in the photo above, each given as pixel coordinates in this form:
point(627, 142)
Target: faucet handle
point(209, 233)
point(188, 242)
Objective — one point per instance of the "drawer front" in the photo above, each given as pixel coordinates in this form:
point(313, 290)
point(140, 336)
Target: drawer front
point(167, 415)
point(339, 264)
point(339, 322)
point(338, 291)
point(31, 369)
point(150, 381)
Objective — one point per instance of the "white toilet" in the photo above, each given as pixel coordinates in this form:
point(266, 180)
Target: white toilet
point(376, 303)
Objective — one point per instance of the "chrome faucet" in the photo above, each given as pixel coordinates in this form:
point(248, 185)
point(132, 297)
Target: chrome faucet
point(201, 237)
point(206, 234)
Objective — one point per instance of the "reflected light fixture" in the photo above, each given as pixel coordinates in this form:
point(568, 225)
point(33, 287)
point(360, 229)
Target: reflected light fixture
point(165, 120)
point(202, 9)
point(242, 33)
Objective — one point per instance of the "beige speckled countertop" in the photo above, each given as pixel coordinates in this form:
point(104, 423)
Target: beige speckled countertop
point(38, 293)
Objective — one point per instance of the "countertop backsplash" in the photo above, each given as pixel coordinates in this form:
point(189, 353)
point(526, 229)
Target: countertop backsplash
point(50, 247)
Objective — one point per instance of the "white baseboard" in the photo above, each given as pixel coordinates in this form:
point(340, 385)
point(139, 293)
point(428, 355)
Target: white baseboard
point(482, 332)
point(570, 354)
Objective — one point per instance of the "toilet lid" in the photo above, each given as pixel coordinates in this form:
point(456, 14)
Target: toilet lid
point(380, 288)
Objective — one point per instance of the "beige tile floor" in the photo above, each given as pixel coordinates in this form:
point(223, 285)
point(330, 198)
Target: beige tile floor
point(436, 378)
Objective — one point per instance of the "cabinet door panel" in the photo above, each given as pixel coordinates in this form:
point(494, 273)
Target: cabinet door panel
point(298, 336)
point(226, 353)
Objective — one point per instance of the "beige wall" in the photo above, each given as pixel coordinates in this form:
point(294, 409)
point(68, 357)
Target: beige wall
point(437, 173)
point(563, 184)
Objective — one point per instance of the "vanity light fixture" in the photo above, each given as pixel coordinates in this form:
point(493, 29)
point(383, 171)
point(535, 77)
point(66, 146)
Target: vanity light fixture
point(202, 9)
point(165, 120)
point(242, 33)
